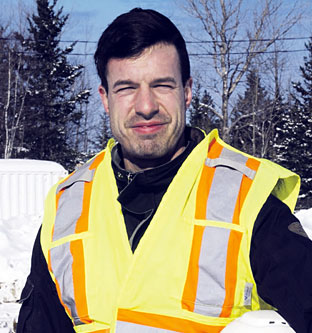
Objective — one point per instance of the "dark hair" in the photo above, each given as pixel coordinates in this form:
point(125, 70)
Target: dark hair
point(130, 33)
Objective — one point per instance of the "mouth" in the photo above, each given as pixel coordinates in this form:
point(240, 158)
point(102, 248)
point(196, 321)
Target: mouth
point(148, 128)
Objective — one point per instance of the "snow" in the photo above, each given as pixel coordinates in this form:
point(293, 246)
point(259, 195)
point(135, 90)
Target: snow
point(17, 236)
point(305, 217)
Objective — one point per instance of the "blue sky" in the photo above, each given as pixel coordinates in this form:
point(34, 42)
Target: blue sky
point(99, 13)
point(88, 18)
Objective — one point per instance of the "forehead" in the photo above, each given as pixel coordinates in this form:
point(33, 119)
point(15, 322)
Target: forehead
point(156, 61)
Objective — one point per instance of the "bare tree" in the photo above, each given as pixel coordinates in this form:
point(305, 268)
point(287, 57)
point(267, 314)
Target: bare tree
point(13, 91)
point(15, 101)
point(236, 38)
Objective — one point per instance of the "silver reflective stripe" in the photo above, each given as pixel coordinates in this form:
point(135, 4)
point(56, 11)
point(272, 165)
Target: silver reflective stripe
point(61, 261)
point(214, 162)
point(220, 206)
point(211, 276)
point(81, 175)
point(224, 189)
point(68, 211)
point(71, 201)
point(125, 327)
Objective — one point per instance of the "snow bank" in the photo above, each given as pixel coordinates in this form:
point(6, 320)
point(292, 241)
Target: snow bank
point(24, 185)
point(17, 236)
point(305, 217)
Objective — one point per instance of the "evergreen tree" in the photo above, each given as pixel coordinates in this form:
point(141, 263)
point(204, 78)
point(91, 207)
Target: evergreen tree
point(103, 133)
point(201, 113)
point(52, 102)
point(294, 144)
point(252, 118)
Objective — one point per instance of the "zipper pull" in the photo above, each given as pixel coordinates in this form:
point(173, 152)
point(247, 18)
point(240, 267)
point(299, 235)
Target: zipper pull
point(130, 177)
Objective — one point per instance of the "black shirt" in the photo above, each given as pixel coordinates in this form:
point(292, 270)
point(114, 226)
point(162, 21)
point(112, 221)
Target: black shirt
point(140, 193)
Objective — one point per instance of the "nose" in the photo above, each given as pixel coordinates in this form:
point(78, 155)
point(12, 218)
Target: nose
point(145, 103)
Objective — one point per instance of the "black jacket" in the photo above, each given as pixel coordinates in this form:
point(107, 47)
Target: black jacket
point(280, 255)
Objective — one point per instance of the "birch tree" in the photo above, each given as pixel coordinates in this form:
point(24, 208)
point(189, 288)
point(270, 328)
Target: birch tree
point(15, 101)
point(12, 95)
point(238, 31)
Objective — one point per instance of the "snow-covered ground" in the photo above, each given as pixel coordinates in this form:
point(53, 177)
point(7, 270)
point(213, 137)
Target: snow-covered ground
point(17, 236)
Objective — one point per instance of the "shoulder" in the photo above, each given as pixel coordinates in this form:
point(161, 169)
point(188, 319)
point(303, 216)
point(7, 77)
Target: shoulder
point(281, 262)
point(275, 217)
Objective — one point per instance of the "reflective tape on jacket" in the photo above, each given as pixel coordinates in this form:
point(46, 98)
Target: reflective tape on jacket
point(67, 259)
point(224, 184)
point(138, 322)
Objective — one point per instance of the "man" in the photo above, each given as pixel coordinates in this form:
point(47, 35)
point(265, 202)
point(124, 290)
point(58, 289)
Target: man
point(168, 229)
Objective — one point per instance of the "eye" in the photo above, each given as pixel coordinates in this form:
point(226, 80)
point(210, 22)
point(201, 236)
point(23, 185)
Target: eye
point(164, 86)
point(124, 89)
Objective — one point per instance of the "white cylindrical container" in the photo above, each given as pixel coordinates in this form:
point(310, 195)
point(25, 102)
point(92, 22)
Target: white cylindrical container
point(24, 185)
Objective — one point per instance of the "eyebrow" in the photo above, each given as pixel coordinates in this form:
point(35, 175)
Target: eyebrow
point(165, 80)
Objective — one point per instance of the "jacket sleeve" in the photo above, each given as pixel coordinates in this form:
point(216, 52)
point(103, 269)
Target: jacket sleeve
point(41, 310)
point(281, 261)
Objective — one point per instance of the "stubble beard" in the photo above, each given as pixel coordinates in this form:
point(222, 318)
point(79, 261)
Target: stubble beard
point(149, 147)
point(149, 153)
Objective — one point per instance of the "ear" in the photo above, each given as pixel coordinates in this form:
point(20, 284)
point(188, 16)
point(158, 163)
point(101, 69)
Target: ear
point(188, 92)
point(104, 98)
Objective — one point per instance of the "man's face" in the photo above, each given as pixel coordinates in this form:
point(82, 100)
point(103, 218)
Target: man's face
point(146, 103)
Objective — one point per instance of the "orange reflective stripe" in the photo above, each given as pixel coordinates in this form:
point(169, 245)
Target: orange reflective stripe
point(190, 288)
point(215, 150)
point(58, 195)
point(78, 268)
point(231, 272)
point(203, 192)
point(97, 161)
point(83, 221)
point(245, 186)
point(165, 322)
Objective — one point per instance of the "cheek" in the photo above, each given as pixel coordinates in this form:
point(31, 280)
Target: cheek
point(177, 110)
point(117, 113)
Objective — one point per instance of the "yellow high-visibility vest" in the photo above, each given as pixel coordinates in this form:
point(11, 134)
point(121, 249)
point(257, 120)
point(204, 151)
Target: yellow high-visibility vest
point(191, 270)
